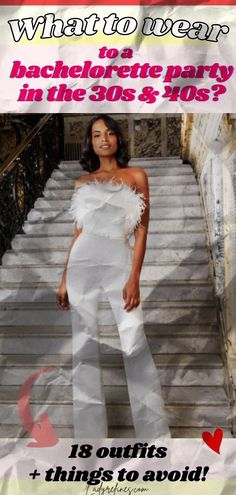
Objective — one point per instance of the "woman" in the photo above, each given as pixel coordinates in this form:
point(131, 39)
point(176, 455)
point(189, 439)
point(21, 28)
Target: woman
point(109, 204)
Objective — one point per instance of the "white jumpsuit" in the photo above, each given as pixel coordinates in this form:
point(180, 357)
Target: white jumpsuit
point(100, 259)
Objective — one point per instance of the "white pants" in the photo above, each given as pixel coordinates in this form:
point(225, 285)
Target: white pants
point(99, 263)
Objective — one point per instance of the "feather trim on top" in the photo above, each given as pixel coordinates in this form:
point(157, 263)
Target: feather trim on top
point(93, 194)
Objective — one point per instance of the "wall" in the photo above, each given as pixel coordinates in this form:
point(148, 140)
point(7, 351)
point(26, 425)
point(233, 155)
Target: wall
point(209, 143)
point(148, 135)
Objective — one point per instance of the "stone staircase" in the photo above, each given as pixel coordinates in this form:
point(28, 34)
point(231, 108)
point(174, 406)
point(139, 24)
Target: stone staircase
point(179, 311)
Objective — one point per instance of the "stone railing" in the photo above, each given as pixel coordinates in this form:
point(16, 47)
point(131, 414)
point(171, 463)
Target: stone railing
point(209, 143)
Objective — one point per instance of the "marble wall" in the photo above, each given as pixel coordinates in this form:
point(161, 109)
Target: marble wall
point(148, 135)
point(209, 143)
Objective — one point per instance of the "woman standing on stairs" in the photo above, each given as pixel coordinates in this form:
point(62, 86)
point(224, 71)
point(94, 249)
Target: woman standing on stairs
point(108, 205)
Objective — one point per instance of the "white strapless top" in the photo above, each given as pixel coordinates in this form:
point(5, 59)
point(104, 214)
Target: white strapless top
point(107, 208)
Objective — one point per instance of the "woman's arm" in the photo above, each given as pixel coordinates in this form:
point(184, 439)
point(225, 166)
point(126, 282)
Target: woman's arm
point(131, 293)
point(62, 296)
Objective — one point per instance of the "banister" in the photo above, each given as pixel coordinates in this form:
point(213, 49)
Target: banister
point(9, 163)
point(25, 173)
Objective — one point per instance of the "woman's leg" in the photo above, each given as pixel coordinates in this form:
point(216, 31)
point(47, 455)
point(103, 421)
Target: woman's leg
point(148, 411)
point(89, 408)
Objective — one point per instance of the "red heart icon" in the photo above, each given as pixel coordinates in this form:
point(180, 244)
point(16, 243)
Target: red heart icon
point(213, 440)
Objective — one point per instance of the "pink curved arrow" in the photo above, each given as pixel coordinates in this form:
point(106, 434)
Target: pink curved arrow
point(42, 431)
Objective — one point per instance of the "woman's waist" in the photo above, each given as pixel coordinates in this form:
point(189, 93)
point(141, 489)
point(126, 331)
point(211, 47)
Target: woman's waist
point(106, 234)
point(104, 248)
point(95, 249)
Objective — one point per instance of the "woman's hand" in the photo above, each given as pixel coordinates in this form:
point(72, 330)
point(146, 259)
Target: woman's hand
point(131, 293)
point(62, 297)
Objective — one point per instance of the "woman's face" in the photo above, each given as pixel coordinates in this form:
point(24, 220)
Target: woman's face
point(104, 140)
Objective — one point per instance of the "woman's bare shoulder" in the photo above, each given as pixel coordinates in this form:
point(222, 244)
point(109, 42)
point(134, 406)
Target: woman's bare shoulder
point(139, 171)
point(139, 175)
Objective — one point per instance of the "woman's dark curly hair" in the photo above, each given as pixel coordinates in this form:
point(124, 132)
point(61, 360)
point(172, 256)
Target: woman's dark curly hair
point(89, 160)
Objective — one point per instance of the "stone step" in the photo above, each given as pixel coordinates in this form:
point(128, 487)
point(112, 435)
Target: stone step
point(150, 168)
point(30, 314)
point(176, 432)
point(151, 171)
point(174, 370)
point(193, 415)
point(52, 256)
point(64, 193)
point(152, 330)
point(165, 160)
point(155, 181)
point(183, 291)
point(53, 209)
point(175, 223)
point(109, 344)
point(17, 431)
point(159, 240)
point(155, 200)
point(150, 291)
point(181, 361)
point(60, 227)
point(154, 187)
point(64, 183)
point(155, 162)
point(118, 415)
point(150, 271)
point(185, 396)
